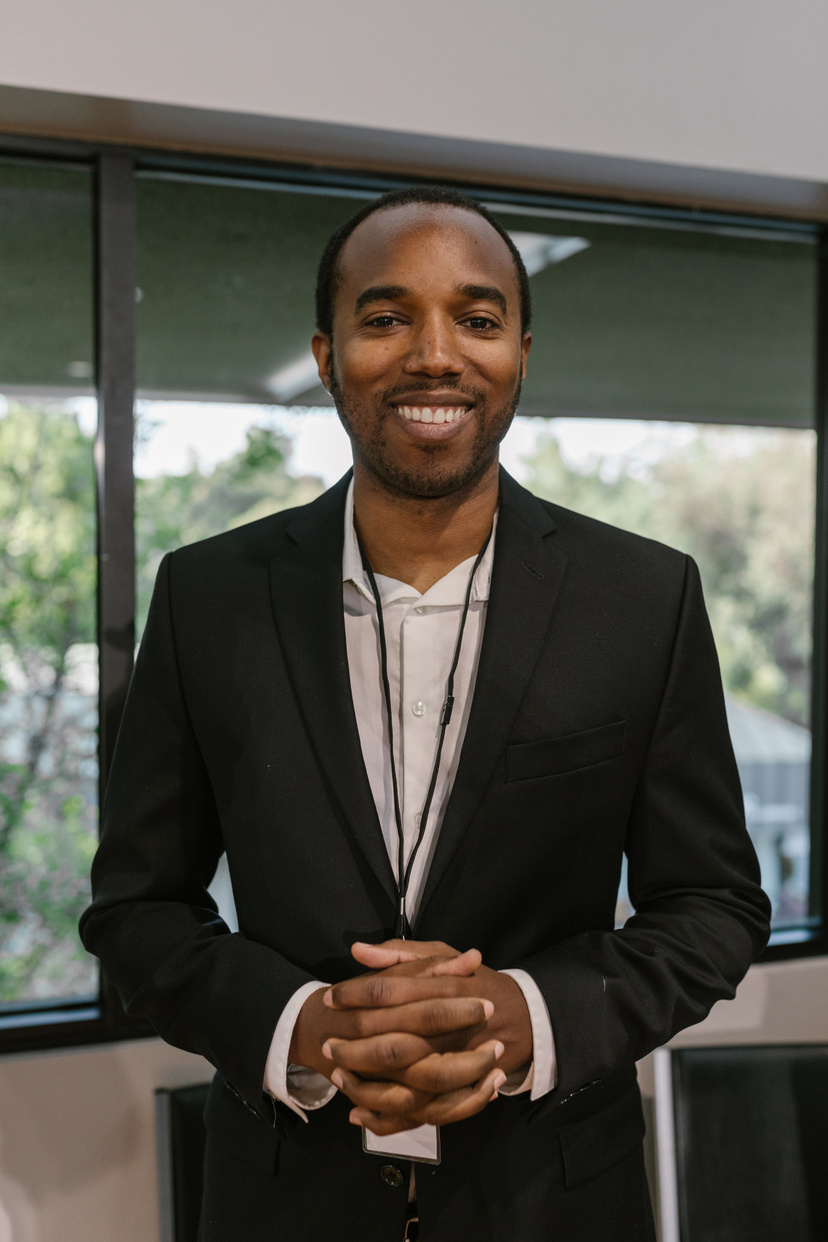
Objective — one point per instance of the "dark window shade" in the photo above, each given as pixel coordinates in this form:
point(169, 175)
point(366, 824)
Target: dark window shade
point(46, 343)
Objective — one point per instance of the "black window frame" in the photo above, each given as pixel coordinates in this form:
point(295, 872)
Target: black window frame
point(59, 1023)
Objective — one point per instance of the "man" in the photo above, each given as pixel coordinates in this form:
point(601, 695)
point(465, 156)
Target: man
point(425, 716)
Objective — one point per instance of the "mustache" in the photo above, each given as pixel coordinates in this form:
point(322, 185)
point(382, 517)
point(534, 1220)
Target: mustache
point(475, 395)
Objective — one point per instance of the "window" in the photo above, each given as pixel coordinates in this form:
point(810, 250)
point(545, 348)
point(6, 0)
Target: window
point(48, 651)
point(671, 391)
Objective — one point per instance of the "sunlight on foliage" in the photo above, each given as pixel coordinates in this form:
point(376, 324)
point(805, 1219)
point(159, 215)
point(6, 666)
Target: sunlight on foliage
point(48, 671)
point(741, 502)
point(48, 771)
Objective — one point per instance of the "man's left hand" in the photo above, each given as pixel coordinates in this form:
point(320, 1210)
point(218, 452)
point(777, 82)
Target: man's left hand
point(415, 974)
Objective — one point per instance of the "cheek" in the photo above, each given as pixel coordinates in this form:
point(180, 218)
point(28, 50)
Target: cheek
point(501, 369)
point(361, 362)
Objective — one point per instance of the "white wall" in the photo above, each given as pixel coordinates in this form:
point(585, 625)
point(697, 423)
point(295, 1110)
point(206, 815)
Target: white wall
point(77, 1141)
point(730, 84)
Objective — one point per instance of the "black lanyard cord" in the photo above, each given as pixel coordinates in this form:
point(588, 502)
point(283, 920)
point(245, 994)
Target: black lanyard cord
point(404, 870)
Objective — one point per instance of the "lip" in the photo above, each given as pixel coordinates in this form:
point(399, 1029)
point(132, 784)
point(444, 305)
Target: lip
point(433, 417)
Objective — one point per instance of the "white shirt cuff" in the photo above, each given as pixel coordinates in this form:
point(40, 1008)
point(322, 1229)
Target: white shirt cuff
point(295, 1085)
point(542, 1074)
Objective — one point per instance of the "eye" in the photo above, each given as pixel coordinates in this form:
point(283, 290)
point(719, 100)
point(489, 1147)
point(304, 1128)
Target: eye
point(480, 323)
point(382, 321)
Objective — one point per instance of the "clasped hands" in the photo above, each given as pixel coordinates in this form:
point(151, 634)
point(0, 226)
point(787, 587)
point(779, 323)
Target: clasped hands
point(427, 1037)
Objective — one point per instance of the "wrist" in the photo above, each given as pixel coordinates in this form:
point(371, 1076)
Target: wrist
point(516, 1029)
point(309, 1034)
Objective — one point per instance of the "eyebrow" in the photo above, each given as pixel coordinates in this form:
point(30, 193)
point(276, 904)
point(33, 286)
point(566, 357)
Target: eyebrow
point(484, 293)
point(380, 293)
point(389, 293)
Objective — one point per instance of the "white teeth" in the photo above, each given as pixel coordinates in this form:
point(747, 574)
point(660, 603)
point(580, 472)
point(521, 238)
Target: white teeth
point(432, 414)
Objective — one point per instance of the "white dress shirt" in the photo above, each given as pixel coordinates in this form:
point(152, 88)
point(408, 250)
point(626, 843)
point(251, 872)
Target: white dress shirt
point(421, 633)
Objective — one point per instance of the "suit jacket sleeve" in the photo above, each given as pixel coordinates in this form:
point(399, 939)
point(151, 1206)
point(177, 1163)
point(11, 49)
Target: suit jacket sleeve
point(152, 922)
point(701, 917)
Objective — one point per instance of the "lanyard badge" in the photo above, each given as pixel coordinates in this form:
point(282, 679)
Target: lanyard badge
point(421, 1145)
point(402, 928)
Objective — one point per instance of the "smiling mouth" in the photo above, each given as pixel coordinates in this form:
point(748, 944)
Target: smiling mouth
point(433, 413)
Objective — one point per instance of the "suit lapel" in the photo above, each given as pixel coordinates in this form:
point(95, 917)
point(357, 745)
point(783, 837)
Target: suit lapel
point(527, 573)
point(306, 590)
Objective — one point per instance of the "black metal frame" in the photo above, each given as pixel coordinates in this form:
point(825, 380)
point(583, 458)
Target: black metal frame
point(63, 1024)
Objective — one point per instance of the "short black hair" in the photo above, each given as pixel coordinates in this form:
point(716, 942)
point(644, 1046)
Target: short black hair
point(327, 277)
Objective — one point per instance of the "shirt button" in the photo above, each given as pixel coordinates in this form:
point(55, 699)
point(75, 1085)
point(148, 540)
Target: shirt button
point(419, 708)
point(418, 818)
point(391, 1175)
point(419, 611)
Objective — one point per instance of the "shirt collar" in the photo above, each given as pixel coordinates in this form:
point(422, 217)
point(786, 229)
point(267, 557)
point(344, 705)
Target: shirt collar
point(447, 592)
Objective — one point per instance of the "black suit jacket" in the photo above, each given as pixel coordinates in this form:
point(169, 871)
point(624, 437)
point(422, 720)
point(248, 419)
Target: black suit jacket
point(597, 726)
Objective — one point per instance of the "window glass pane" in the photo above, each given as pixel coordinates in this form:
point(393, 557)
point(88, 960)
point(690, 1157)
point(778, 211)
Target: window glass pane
point(655, 322)
point(740, 500)
point(46, 342)
point(205, 467)
point(629, 321)
point(226, 276)
point(48, 652)
point(708, 335)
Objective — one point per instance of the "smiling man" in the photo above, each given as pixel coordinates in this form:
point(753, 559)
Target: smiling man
point(425, 716)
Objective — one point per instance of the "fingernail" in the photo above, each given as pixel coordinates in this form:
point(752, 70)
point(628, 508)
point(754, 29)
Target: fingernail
point(337, 1079)
point(326, 1051)
point(354, 1119)
point(498, 1050)
point(488, 1008)
point(498, 1080)
point(327, 998)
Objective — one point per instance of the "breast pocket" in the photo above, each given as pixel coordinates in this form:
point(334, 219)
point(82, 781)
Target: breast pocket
point(552, 756)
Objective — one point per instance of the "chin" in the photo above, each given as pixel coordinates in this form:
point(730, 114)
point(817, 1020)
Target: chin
point(435, 483)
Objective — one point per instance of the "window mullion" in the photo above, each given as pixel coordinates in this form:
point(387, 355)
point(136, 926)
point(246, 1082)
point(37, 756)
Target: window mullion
point(115, 246)
point(115, 375)
point(819, 709)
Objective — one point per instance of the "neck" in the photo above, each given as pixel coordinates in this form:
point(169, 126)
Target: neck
point(418, 540)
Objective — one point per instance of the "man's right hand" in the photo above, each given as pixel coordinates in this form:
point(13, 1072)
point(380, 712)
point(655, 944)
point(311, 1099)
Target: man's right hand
point(411, 1063)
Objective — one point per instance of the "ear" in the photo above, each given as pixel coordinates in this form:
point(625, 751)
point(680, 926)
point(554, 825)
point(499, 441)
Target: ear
point(322, 352)
point(524, 353)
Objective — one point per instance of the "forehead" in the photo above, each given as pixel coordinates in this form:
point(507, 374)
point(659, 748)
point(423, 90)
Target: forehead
point(398, 245)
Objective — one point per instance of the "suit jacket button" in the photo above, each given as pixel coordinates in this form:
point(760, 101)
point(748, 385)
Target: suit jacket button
point(391, 1175)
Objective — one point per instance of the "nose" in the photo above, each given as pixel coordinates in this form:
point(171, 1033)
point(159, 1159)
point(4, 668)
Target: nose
point(434, 349)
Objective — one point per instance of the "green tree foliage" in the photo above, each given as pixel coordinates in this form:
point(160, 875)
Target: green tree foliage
point(48, 771)
point(172, 510)
point(741, 502)
point(47, 741)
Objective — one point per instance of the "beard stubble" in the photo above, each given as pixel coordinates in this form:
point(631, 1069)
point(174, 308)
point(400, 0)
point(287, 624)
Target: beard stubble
point(432, 478)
